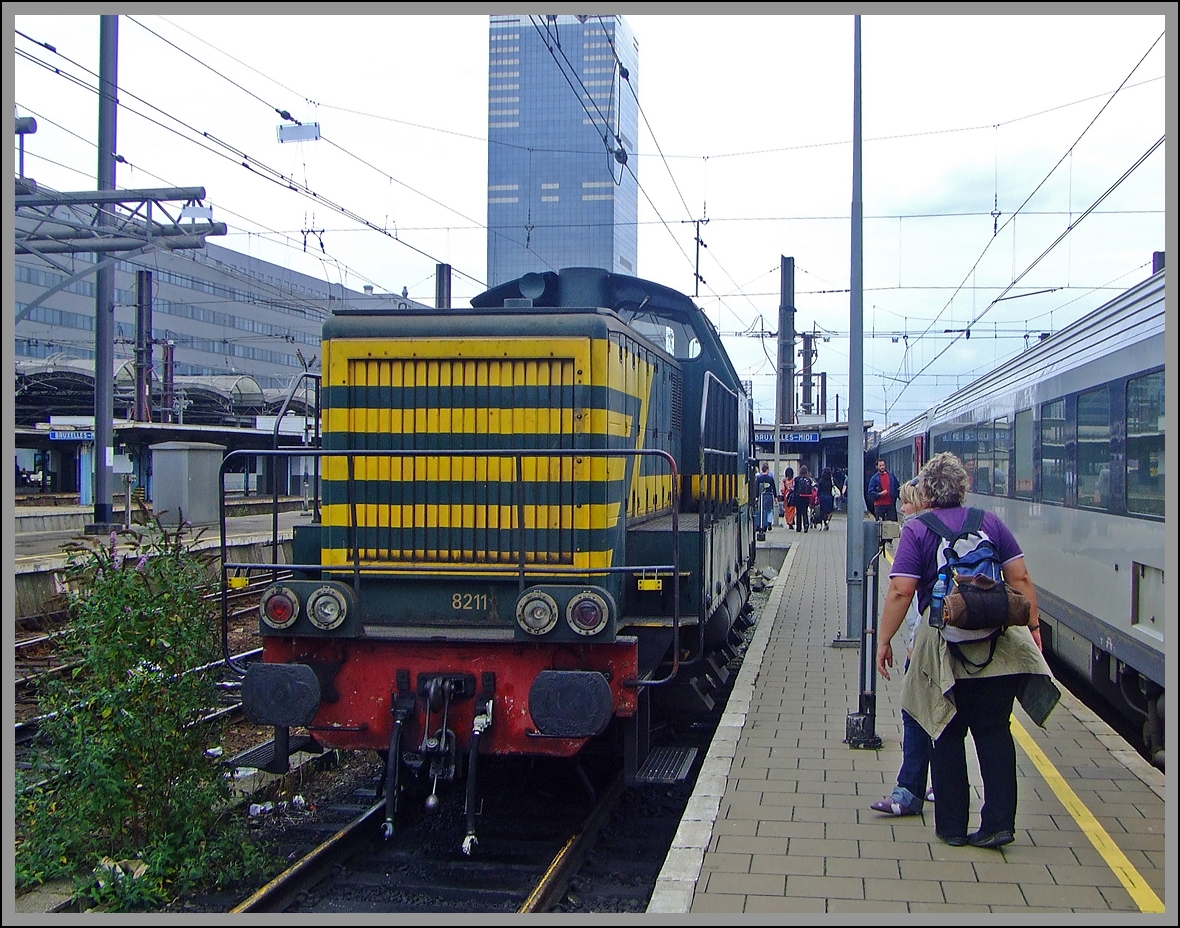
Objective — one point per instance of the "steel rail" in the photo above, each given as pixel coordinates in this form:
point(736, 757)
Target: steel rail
point(280, 892)
point(552, 885)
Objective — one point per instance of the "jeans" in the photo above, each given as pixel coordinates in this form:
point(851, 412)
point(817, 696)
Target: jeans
point(801, 517)
point(910, 791)
point(765, 511)
point(983, 706)
point(888, 512)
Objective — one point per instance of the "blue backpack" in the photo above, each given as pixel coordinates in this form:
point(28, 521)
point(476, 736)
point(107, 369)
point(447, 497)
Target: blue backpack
point(969, 568)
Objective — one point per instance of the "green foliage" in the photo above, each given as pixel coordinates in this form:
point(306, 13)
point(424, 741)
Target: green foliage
point(126, 776)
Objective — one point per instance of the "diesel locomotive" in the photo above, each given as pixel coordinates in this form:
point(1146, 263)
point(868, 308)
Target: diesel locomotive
point(534, 512)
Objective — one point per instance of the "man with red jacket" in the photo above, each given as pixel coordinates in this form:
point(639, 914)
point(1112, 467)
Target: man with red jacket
point(882, 490)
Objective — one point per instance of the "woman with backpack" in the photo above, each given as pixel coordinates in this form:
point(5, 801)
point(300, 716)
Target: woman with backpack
point(966, 679)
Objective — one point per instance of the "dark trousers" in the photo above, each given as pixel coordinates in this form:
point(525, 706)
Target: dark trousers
point(983, 706)
point(887, 512)
point(801, 516)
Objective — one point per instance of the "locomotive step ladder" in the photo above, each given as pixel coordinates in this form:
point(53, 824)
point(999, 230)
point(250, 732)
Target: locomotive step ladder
point(666, 765)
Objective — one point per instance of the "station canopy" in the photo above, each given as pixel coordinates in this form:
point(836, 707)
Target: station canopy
point(64, 386)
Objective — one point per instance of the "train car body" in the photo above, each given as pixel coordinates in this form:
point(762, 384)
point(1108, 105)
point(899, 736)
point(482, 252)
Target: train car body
point(532, 510)
point(1066, 444)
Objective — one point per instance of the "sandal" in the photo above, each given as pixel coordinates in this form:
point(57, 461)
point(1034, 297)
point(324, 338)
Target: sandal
point(891, 806)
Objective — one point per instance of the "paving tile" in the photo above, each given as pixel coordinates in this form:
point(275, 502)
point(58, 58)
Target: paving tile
point(750, 844)
point(769, 904)
point(1024, 853)
point(864, 905)
point(733, 826)
point(941, 870)
point(718, 902)
point(822, 847)
point(1119, 899)
point(904, 890)
point(1003, 871)
point(810, 814)
point(1077, 875)
point(826, 887)
point(1066, 897)
point(866, 868)
point(789, 863)
point(1137, 841)
point(983, 894)
point(876, 829)
point(792, 830)
point(759, 785)
point(946, 908)
point(896, 850)
point(749, 884)
point(727, 863)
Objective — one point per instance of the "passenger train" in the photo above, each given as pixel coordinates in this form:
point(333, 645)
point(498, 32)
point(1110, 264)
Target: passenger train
point(1065, 442)
point(535, 511)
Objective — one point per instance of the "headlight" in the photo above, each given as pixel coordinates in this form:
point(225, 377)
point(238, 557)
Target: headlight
point(536, 612)
point(279, 607)
point(587, 613)
point(326, 608)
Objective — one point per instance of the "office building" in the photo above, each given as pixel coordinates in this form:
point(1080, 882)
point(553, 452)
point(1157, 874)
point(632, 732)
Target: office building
point(563, 121)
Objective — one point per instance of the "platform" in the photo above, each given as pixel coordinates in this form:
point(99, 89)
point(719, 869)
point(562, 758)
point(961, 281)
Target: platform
point(780, 819)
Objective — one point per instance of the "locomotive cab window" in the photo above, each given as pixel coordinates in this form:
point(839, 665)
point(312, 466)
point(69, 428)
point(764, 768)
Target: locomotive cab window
point(1145, 445)
point(1094, 449)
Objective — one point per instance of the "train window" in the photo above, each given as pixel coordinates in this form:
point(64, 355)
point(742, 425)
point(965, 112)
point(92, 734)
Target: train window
point(1023, 462)
point(1094, 449)
point(1145, 445)
point(1053, 452)
point(981, 477)
point(1001, 454)
point(967, 454)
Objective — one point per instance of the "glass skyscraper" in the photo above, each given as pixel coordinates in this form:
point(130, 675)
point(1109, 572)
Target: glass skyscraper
point(558, 194)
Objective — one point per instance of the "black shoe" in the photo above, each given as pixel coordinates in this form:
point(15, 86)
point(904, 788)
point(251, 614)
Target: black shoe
point(955, 840)
point(997, 839)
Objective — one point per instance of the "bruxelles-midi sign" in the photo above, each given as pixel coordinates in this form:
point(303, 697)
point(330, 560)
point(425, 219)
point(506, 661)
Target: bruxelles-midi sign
point(71, 435)
point(787, 436)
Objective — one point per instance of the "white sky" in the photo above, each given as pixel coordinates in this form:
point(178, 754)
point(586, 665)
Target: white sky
point(754, 114)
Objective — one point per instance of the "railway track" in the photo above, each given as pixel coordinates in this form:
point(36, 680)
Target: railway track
point(519, 866)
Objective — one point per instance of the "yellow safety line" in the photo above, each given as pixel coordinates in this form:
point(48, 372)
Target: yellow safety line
point(1143, 894)
point(1138, 887)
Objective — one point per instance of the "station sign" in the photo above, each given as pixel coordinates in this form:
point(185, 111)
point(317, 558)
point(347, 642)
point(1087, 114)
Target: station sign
point(810, 437)
point(71, 435)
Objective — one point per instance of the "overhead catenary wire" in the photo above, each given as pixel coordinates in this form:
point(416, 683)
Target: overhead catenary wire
point(1012, 216)
point(284, 238)
point(1057, 241)
point(232, 153)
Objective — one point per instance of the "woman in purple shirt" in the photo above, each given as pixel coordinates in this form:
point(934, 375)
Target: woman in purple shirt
point(943, 694)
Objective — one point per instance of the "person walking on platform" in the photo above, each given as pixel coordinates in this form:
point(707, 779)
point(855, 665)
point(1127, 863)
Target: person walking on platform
point(882, 490)
point(827, 497)
point(788, 490)
point(910, 791)
point(964, 679)
point(801, 494)
point(764, 495)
